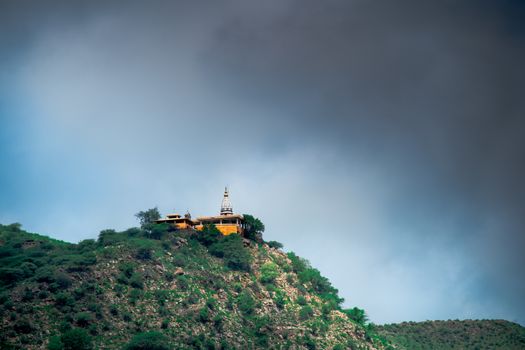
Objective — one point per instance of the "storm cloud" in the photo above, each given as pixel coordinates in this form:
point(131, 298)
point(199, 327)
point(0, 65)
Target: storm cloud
point(382, 141)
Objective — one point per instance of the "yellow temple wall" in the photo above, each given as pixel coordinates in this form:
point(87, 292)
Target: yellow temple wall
point(225, 229)
point(182, 225)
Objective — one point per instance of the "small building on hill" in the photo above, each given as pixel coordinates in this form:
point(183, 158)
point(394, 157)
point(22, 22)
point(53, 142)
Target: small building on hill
point(180, 223)
point(227, 222)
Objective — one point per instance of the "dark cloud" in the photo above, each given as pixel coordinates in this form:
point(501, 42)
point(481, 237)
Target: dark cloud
point(382, 140)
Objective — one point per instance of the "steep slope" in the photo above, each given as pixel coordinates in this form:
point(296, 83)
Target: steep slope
point(196, 290)
point(468, 334)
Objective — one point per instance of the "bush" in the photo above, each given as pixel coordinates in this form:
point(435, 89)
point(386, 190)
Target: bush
point(356, 314)
point(55, 343)
point(136, 281)
point(23, 326)
point(246, 303)
point(165, 324)
point(209, 235)
point(298, 264)
point(107, 237)
point(84, 319)
point(148, 341)
point(158, 231)
point(275, 244)
point(232, 250)
point(144, 253)
point(127, 316)
point(306, 312)
point(204, 315)
point(253, 228)
point(63, 280)
point(64, 299)
point(148, 217)
point(133, 232)
point(113, 309)
point(76, 339)
point(86, 245)
point(269, 272)
point(127, 269)
point(45, 274)
point(280, 298)
point(11, 275)
point(28, 268)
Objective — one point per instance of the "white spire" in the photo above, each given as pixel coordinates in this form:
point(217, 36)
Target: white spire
point(226, 206)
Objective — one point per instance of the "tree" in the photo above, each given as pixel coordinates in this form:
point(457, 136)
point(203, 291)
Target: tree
point(253, 228)
point(76, 339)
point(148, 217)
point(275, 244)
point(232, 250)
point(356, 314)
point(148, 341)
point(269, 272)
point(209, 235)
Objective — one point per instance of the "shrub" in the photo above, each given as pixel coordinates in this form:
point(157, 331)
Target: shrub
point(148, 217)
point(275, 244)
point(62, 280)
point(162, 295)
point(298, 264)
point(158, 231)
point(301, 300)
point(28, 269)
point(64, 299)
point(232, 250)
point(246, 303)
point(306, 312)
point(136, 281)
point(182, 282)
point(84, 319)
point(144, 253)
point(204, 314)
point(23, 326)
point(127, 269)
point(127, 316)
point(280, 298)
point(134, 295)
point(133, 232)
point(269, 272)
point(148, 341)
point(165, 323)
point(113, 309)
point(107, 237)
point(356, 314)
point(55, 343)
point(253, 228)
point(10, 275)
point(87, 245)
point(76, 339)
point(209, 235)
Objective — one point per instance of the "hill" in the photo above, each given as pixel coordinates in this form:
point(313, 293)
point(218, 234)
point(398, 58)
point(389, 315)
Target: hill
point(157, 288)
point(467, 334)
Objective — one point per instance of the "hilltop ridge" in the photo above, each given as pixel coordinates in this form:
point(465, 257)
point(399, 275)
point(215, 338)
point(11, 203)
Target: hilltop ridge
point(179, 289)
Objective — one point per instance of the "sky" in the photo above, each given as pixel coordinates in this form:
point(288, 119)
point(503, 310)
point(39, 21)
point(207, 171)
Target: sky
point(383, 141)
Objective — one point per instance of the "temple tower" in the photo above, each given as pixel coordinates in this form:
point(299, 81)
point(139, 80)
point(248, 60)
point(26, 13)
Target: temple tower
point(226, 206)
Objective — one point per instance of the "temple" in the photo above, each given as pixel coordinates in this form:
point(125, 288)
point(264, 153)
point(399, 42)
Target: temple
point(226, 222)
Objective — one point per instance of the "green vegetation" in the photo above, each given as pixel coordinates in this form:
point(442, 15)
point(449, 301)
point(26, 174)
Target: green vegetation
point(468, 334)
point(153, 287)
point(148, 341)
point(253, 228)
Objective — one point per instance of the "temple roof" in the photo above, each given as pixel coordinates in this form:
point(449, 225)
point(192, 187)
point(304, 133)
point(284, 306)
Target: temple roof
point(226, 206)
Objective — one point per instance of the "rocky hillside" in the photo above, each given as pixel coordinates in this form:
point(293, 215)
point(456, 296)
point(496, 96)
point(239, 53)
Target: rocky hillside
point(468, 334)
point(155, 288)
